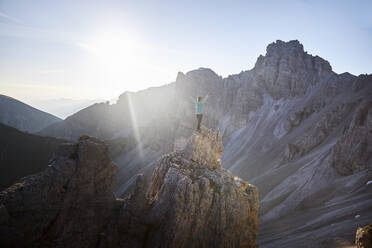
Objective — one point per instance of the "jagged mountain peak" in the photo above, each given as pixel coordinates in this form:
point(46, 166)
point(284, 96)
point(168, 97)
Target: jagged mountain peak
point(202, 70)
point(287, 70)
point(283, 46)
point(292, 53)
point(199, 73)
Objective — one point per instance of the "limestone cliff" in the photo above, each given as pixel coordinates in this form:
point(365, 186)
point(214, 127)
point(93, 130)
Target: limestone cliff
point(187, 204)
point(67, 205)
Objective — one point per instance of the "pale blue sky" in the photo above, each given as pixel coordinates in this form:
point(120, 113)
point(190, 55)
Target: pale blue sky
point(98, 49)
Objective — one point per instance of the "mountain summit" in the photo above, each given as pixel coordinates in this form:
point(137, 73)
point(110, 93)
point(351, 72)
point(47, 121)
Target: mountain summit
point(287, 70)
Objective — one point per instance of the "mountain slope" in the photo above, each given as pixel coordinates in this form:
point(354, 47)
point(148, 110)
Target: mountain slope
point(117, 120)
point(290, 125)
point(22, 154)
point(298, 154)
point(22, 116)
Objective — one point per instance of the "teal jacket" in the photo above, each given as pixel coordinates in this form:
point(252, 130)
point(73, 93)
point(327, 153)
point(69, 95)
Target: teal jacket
point(199, 105)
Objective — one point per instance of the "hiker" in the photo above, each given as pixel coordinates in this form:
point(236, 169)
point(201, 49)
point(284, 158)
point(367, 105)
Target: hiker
point(199, 108)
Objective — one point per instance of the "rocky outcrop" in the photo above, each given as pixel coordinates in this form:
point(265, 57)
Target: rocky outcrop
point(363, 237)
point(205, 207)
point(187, 204)
point(353, 151)
point(67, 205)
point(287, 70)
point(291, 152)
point(207, 148)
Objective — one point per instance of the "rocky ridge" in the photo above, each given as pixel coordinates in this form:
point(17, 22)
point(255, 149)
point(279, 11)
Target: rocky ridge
point(187, 204)
point(291, 126)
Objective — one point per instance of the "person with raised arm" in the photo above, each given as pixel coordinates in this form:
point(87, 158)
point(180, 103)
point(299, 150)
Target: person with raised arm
point(199, 108)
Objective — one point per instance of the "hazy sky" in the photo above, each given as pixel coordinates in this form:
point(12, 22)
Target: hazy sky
point(98, 49)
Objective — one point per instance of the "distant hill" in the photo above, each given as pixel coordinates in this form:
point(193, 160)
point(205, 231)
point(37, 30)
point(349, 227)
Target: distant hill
point(22, 154)
point(63, 107)
point(19, 115)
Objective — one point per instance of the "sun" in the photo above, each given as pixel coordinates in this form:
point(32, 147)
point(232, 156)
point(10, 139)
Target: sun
point(116, 51)
point(113, 59)
point(120, 61)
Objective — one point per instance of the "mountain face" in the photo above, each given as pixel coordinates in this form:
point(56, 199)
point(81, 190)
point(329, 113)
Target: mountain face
point(22, 154)
point(189, 203)
point(22, 116)
point(291, 126)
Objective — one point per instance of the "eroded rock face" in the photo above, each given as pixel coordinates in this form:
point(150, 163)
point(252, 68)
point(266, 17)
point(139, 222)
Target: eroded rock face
point(291, 152)
point(353, 151)
point(205, 207)
point(363, 237)
point(207, 148)
point(188, 204)
point(67, 205)
point(286, 70)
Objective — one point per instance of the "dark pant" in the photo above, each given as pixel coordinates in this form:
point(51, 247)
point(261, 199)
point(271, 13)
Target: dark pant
point(199, 118)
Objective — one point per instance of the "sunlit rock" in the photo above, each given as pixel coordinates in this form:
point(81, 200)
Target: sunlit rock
point(207, 148)
point(363, 237)
point(188, 203)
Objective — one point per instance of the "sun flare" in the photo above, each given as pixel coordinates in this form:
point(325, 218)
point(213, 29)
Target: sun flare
point(115, 51)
